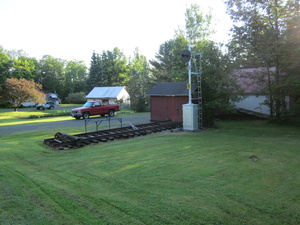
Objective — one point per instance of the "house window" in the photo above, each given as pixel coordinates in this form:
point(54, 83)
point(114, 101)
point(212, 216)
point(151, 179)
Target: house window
point(104, 102)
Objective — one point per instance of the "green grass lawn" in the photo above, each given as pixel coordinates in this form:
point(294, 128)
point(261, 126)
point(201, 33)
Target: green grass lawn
point(245, 172)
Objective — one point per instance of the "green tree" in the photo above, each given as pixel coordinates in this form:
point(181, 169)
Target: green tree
point(18, 91)
point(139, 81)
point(76, 98)
point(292, 65)
point(108, 69)
point(216, 67)
point(218, 88)
point(162, 65)
point(5, 66)
point(51, 74)
point(197, 24)
point(94, 72)
point(114, 68)
point(16, 53)
point(167, 66)
point(260, 40)
point(75, 78)
point(24, 67)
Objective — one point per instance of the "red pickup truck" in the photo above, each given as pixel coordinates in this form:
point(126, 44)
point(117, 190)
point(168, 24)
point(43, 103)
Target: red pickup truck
point(94, 108)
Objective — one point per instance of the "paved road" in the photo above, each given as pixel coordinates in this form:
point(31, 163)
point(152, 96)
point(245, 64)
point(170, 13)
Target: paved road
point(60, 126)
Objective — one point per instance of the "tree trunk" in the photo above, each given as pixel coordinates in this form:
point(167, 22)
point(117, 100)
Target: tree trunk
point(279, 98)
point(271, 99)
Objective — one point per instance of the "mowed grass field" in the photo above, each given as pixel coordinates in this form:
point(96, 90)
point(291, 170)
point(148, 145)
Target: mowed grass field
point(244, 172)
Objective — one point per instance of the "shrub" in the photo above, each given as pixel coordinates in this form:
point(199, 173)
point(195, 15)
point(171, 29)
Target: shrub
point(76, 98)
point(60, 113)
point(141, 105)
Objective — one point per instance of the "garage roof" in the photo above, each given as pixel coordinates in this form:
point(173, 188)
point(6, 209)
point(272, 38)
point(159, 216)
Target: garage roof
point(105, 92)
point(171, 89)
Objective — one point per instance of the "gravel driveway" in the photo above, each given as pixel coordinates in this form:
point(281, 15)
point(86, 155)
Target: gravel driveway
point(59, 126)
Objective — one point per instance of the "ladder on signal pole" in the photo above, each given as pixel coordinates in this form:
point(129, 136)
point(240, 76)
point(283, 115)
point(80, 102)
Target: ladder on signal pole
point(200, 108)
point(199, 88)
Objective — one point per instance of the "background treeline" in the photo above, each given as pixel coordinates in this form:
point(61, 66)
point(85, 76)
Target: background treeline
point(264, 34)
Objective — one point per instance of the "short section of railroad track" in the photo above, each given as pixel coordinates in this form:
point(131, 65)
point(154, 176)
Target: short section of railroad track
point(63, 141)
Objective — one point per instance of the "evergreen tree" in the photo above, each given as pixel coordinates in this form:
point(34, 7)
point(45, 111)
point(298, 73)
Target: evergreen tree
point(107, 69)
point(95, 70)
point(167, 66)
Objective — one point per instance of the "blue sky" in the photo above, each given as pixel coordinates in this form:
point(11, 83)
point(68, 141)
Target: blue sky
point(72, 29)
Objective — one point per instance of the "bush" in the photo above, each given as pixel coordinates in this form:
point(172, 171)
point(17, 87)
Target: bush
point(60, 113)
point(76, 98)
point(141, 105)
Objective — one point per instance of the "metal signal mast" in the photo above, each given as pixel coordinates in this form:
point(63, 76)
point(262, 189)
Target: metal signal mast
point(187, 56)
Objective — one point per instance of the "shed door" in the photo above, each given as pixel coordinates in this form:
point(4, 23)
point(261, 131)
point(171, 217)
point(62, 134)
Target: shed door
point(165, 108)
point(175, 108)
point(158, 108)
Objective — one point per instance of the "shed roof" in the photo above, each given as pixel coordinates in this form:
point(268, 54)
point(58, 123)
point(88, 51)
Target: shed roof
point(105, 92)
point(171, 89)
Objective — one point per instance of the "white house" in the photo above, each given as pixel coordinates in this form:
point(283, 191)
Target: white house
point(49, 97)
point(253, 81)
point(52, 97)
point(110, 94)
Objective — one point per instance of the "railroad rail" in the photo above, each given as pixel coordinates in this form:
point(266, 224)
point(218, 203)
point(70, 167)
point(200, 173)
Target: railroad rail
point(63, 141)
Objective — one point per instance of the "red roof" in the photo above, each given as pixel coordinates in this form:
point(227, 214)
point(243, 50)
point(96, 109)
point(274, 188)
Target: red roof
point(252, 80)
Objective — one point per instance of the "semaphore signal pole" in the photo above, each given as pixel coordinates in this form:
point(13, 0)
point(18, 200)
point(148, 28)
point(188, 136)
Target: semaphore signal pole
point(191, 116)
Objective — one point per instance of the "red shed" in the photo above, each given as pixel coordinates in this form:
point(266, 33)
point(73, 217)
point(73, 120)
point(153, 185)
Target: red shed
point(166, 100)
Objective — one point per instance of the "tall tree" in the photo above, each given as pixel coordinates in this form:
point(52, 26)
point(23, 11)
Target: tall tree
point(24, 67)
point(75, 77)
point(216, 83)
point(167, 66)
point(5, 66)
point(108, 69)
point(51, 74)
point(162, 64)
point(94, 72)
point(292, 83)
point(197, 24)
point(114, 67)
point(218, 88)
point(259, 40)
point(18, 91)
point(138, 83)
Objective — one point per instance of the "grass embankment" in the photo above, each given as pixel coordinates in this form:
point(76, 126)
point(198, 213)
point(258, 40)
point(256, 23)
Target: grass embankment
point(242, 173)
point(30, 115)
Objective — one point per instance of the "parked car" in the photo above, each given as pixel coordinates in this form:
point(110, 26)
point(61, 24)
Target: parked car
point(94, 108)
point(28, 104)
point(47, 105)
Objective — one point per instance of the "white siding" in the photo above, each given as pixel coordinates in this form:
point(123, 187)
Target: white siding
point(125, 96)
point(254, 104)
